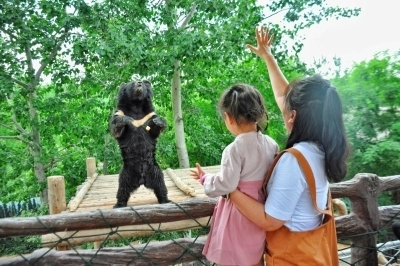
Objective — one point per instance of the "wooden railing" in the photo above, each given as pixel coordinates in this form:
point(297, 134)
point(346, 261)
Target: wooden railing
point(359, 226)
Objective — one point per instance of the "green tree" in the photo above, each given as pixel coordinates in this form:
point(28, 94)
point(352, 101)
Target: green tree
point(190, 50)
point(185, 41)
point(371, 97)
point(34, 35)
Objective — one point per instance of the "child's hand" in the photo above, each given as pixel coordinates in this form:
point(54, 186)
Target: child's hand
point(264, 41)
point(198, 172)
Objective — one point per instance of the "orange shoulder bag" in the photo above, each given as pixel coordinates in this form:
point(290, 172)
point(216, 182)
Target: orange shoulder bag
point(313, 247)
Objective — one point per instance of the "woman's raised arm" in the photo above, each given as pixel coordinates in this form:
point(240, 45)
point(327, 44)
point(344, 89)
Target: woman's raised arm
point(278, 80)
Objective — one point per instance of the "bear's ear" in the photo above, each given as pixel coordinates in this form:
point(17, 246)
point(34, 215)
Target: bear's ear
point(149, 94)
point(148, 83)
point(122, 85)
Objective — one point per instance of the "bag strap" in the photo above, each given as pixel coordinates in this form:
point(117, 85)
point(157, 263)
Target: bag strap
point(308, 175)
point(271, 168)
point(263, 191)
point(310, 180)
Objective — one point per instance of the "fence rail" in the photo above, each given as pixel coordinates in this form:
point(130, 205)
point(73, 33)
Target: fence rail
point(361, 227)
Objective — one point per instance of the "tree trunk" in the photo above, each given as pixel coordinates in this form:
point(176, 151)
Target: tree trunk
point(183, 156)
point(36, 147)
point(178, 119)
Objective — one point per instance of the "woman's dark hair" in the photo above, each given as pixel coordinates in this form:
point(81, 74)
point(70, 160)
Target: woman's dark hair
point(319, 118)
point(245, 104)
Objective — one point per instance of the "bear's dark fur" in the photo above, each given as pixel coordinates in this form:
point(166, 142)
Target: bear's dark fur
point(136, 128)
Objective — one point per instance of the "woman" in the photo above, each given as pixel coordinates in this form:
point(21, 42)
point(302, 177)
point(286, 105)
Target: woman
point(312, 113)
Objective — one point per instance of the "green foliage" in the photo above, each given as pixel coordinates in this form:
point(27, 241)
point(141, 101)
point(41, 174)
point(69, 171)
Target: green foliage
point(88, 50)
point(371, 100)
point(23, 245)
point(19, 245)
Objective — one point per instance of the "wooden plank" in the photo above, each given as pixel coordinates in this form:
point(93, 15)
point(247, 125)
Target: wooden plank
point(132, 201)
point(84, 236)
point(114, 186)
point(111, 194)
point(180, 172)
point(168, 182)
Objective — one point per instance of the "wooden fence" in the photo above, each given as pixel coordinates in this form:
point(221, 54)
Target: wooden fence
point(360, 227)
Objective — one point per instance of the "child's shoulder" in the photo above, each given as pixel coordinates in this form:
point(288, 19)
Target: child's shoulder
point(270, 140)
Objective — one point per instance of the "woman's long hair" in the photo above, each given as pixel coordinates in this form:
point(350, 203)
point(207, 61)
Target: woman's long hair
point(319, 119)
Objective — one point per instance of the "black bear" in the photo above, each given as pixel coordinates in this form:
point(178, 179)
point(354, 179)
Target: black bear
point(136, 127)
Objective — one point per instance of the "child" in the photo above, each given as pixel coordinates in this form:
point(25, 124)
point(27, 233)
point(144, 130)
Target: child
point(233, 239)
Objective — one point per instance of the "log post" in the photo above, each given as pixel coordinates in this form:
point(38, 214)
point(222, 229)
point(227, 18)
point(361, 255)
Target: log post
point(90, 171)
point(57, 201)
point(56, 197)
point(90, 166)
point(97, 244)
point(364, 204)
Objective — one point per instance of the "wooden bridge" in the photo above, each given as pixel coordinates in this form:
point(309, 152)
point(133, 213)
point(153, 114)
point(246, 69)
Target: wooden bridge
point(98, 192)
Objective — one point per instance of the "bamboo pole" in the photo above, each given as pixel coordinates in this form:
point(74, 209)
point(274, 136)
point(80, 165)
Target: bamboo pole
point(179, 184)
point(91, 177)
point(74, 203)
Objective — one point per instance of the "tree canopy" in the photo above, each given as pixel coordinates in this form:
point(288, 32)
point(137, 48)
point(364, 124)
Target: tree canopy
point(371, 97)
point(61, 63)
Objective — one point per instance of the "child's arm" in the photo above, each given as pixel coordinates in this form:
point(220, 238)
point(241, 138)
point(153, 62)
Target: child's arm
point(226, 180)
point(278, 81)
point(254, 211)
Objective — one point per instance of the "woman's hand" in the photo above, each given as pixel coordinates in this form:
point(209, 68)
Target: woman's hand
point(254, 211)
point(264, 40)
point(198, 172)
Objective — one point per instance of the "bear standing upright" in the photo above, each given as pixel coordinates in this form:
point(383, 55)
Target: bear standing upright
point(136, 127)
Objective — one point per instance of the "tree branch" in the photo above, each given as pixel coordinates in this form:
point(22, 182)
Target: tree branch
point(273, 14)
point(51, 57)
point(18, 126)
point(8, 33)
point(189, 16)
point(19, 82)
point(31, 71)
point(52, 162)
point(6, 126)
point(158, 2)
point(16, 138)
point(22, 84)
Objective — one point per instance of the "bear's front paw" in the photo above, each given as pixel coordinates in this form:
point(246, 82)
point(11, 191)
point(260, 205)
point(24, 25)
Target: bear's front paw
point(158, 121)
